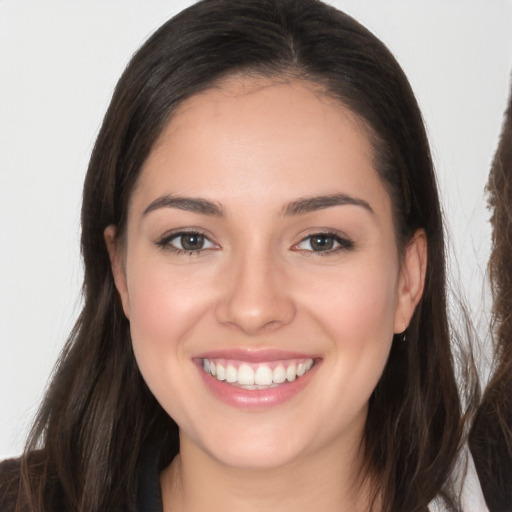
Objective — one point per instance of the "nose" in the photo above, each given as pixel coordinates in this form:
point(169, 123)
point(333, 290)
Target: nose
point(255, 297)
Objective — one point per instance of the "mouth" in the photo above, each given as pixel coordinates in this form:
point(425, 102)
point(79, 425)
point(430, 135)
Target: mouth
point(256, 376)
point(256, 380)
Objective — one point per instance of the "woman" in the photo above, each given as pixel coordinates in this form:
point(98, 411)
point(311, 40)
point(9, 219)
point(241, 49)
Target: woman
point(265, 316)
point(490, 439)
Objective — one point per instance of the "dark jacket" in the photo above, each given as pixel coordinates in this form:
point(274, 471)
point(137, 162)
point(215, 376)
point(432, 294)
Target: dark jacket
point(148, 496)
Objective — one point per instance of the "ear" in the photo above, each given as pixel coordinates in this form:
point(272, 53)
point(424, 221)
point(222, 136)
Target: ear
point(117, 265)
point(411, 280)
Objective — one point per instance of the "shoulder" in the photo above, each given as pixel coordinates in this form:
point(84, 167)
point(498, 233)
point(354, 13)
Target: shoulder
point(10, 471)
point(21, 479)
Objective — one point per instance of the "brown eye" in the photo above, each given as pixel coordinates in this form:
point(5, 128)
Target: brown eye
point(325, 243)
point(321, 242)
point(186, 242)
point(191, 241)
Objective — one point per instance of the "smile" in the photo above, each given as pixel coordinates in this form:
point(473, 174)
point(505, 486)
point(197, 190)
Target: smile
point(256, 376)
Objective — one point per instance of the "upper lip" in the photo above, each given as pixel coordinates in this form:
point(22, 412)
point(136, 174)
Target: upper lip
point(254, 355)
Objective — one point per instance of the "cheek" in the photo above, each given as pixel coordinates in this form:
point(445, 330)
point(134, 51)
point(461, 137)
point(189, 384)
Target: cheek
point(359, 298)
point(357, 313)
point(164, 302)
point(165, 308)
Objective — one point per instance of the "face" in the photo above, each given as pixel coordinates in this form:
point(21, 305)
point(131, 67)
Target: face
point(260, 273)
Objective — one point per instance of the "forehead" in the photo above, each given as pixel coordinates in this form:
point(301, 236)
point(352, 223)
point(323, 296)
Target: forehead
point(259, 99)
point(256, 136)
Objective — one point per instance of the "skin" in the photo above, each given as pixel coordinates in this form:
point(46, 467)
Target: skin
point(252, 148)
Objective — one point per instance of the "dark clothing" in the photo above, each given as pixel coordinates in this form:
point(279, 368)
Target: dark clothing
point(148, 496)
point(9, 483)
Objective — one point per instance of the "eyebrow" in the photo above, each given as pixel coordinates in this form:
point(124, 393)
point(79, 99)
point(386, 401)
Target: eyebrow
point(311, 204)
point(298, 207)
point(189, 204)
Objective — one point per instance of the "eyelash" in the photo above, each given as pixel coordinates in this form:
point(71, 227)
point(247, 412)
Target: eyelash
point(165, 243)
point(344, 243)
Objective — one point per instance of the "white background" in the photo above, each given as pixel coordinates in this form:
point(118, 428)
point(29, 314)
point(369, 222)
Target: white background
point(59, 61)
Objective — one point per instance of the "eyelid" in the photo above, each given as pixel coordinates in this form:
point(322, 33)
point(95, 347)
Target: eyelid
point(164, 242)
point(345, 243)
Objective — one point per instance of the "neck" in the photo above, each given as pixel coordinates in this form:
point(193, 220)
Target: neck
point(325, 481)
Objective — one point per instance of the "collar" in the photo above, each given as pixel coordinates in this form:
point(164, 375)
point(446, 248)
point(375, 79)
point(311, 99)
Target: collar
point(149, 494)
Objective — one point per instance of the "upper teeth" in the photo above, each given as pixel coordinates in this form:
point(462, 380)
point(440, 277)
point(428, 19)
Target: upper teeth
point(254, 375)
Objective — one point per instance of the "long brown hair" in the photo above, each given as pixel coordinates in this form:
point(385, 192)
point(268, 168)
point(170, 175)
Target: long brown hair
point(491, 435)
point(98, 413)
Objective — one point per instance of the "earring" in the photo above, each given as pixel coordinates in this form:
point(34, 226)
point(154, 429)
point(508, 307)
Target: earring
point(404, 334)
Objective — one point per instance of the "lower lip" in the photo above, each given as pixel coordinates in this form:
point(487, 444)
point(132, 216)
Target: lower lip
point(256, 398)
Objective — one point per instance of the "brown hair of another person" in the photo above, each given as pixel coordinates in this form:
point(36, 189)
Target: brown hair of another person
point(491, 435)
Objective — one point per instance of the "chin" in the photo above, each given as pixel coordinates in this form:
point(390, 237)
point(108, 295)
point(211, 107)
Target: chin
point(257, 450)
point(255, 458)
